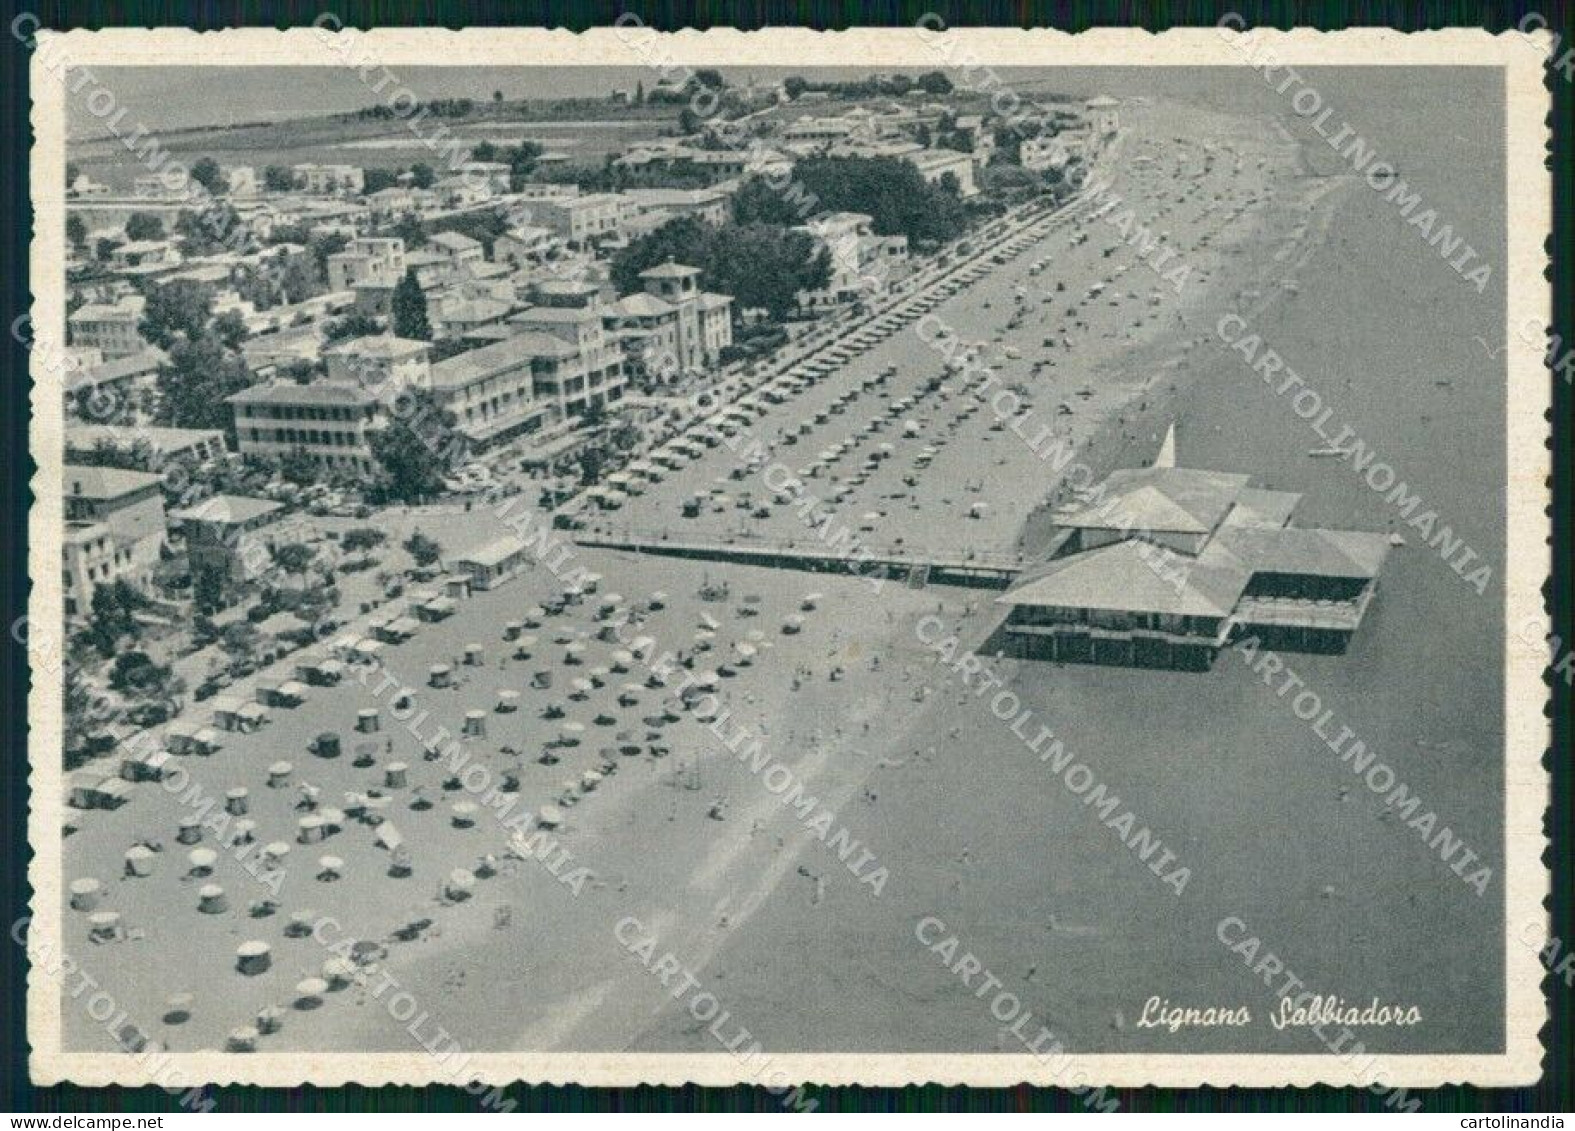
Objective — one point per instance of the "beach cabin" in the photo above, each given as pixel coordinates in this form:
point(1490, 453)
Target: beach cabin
point(320, 672)
point(235, 714)
point(145, 765)
point(184, 738)
point(437, 609)
point(287, 694)
point(500, 560)
point(180, 737)
point(397, 631)
point(92, 790)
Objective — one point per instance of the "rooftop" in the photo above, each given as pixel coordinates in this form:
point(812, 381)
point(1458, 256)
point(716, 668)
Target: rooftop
point(478, 364)
point(381, 346)
point(105, 482)
point(669, 270)
point(227, 510)
point(454, 241)
point(318, 393)
point(640, 305)
point(1171, 499)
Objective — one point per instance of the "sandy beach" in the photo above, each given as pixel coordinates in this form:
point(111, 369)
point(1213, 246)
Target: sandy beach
point(680, 833)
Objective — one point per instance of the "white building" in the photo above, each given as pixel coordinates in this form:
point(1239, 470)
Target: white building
point(115, 528)
point(863, 264)
point(580, 220)
point(490, 392)
point(382, 363)
point(377, 261)
point(935, 164)
point(329, 421)
point(327, 180)
point(110, 327)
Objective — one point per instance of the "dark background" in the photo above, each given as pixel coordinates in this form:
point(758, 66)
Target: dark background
point(1553, 1093)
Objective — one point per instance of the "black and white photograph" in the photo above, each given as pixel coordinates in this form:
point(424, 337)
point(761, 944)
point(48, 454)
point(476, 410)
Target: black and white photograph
point(909, 556)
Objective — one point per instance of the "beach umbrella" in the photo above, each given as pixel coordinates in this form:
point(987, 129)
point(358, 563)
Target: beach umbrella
point(329, 868)
point(309, 993)
point(139, 861)
point(459, 885)
point(253, 957)
point(85, 894)
point(104, 926)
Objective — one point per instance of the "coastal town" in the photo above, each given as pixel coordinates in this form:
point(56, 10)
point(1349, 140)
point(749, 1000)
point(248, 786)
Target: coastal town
point(468, 543)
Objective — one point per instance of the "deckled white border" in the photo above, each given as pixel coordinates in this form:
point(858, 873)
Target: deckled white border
point(1528, 199)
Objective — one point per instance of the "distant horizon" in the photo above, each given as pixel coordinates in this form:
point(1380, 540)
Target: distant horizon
point(183, 98)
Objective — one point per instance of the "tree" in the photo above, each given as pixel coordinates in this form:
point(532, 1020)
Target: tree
point(522, 160)
point(497, 96)
point(689, 122)
point(321, 246)
point(413, 450)
point(277, 178)
point(756, 202)
point(215, 227)
point(898, 200)
point(73, 171)
point(376, 180)
point(144, 226)
point(180, 307)
point(793, 86)
point(934, 82)
point(294, 559)
point(710, 77)
point(762, 265)
point(410, 229)
point(112, 615)
point(592, 461)
point(422, 176)
point(362, 538)
point(206, 172)
point(639, 93)
point(686, 239)
point(298, 467)
point(195, 382)
point(484, 151)
point(104, 248)
point(230, 328)
point(76, 231)
point(299, 282)
point(240, 641)
point(423, 551)
point(352, 325)
point(410, 309)
point(134, 673)
point(210, 575)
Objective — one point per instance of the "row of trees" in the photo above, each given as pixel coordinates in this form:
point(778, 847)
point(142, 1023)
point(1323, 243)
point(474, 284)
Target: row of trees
point(760, 264)
point(931, 82)
point(521, 159)
point(898, 200)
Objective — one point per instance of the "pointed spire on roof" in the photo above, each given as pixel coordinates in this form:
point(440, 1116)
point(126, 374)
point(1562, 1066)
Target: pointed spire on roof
point(1167, 450)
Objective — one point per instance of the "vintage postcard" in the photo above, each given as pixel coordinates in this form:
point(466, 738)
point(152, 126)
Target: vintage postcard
point(788, 558)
